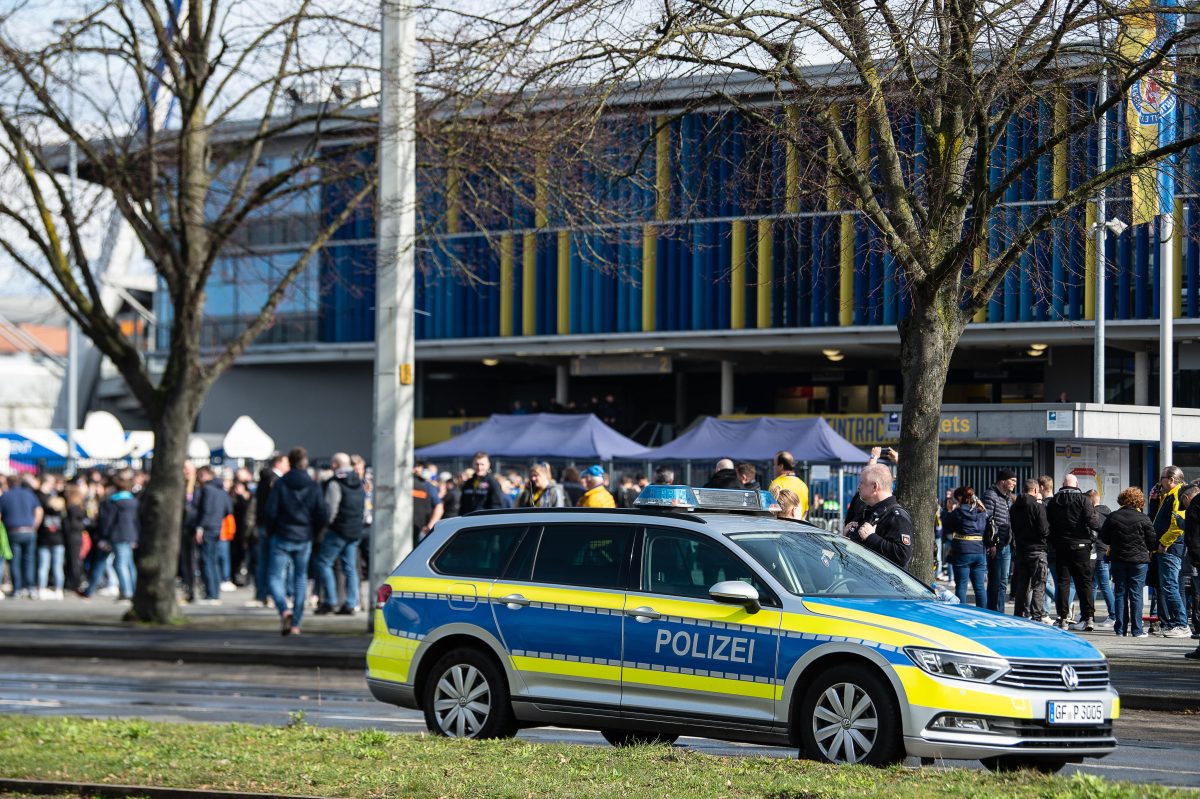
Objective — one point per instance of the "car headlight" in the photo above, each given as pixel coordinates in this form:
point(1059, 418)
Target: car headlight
point(956, 665)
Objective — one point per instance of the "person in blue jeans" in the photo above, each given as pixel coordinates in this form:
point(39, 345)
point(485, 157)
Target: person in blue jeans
point(345, 500)
point(967, 526)
point(119, 526)
point(21, 511)
point(997, 500)
point(277, 467)
point(213, 504)
point(1128, 537)
point(1102, 577)
point(1168, 524)
point(295, 513)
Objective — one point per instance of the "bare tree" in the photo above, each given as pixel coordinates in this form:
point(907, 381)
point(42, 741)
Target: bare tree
point(838, 80)
point(187, 185)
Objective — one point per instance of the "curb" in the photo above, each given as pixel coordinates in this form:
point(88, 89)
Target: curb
point(45, 788)
point(222, 655)
point(1145, 700)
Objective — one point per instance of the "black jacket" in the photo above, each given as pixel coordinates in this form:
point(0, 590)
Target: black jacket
point(266, 479)
point(119, 519)
point(346, 499)
point(1072, 518)
point(295, 509)
point(1131, 535)
point(1191, 531)
point(998, 505)
point(1030, 527)
point(893, 534)
point(481, 493)
point(725, 478)
point(213, 504)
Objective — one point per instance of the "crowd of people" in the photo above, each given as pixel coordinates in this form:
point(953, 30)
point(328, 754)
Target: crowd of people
point(1054, 551)
point(76, 535)
point(1063, 550)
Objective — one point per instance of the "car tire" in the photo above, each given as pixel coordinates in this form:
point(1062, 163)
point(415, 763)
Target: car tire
point(622, 738)
point(868, 731)
point(466, 696)
point(1044, 765)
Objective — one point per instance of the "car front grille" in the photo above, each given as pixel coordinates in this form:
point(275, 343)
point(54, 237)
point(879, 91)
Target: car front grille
point(1037, 734)
point(1047, 675)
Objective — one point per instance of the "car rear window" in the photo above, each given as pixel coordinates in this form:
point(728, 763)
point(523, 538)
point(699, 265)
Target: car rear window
point(478, 551)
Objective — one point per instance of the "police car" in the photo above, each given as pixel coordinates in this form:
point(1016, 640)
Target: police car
point(699, 613)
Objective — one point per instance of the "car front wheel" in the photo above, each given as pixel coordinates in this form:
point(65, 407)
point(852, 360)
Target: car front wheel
point(848, 716)
point(466, 696)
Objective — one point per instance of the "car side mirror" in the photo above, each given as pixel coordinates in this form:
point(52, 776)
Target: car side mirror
point(735, 592)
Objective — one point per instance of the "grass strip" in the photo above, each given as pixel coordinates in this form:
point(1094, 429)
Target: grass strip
point(303, 759)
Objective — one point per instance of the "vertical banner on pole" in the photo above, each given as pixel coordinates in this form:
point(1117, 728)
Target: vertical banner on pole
point(1151, 114)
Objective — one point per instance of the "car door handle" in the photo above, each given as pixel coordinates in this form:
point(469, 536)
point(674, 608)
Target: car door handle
point(644, 614)
point(514, 601)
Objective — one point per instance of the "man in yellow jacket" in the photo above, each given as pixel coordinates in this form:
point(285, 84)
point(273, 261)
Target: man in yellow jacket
point(785, 477)
point(595, 495)
point(1168, 523)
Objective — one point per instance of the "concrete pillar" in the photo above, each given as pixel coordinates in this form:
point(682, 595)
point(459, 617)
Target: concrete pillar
point(872, 391)
point(680, 400)
point(726, 387)
point(1141, 378)
point(561, 391)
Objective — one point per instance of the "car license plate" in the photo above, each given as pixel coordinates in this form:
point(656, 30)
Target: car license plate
point(1075, 712)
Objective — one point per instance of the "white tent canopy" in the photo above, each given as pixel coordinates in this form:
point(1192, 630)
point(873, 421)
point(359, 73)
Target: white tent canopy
point(246, 439)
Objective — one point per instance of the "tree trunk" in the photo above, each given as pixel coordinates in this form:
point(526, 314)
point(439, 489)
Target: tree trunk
point(927, 340)
point(161, 515)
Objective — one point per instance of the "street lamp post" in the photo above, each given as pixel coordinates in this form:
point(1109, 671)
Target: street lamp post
point(391, 536)
point(72, 376)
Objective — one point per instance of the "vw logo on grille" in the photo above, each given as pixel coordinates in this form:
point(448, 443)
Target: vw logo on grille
point(1069, 677)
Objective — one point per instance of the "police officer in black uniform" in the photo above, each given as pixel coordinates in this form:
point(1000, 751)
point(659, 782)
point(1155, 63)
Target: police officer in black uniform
point(885, 527)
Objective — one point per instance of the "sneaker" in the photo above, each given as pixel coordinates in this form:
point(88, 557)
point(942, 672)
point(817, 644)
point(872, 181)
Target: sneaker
point(1082, 626)
point(209, 602)
point(323, 610)
point(228, 586)
point(285, 623)
point(1142, 635)
point(1193, 655)
point(1177, 632)
point(254, 603)
point(110, 590)
point(345, 610)
point(1061, 624)
point(1106, 624)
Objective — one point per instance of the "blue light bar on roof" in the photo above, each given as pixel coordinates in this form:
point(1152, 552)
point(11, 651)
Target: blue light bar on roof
point(688, 498)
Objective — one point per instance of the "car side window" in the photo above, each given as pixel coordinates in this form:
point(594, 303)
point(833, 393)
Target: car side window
point(478, 551)
point(680, 564)
point(589, 555)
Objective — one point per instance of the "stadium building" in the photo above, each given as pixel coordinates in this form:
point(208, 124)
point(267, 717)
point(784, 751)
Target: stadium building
point(700, 297)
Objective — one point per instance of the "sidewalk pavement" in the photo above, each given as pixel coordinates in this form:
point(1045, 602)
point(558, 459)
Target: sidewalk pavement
point(1150, 673)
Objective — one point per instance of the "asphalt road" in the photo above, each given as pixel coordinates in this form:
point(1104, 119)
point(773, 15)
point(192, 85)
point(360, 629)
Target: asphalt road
point(1155, 747)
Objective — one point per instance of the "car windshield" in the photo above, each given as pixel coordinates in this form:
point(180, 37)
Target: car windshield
point(812, 564)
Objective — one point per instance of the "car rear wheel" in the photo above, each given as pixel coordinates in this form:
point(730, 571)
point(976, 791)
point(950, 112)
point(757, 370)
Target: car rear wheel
point(635, 738)
point(1045, 765)
point(466, 696)
point(848, 716)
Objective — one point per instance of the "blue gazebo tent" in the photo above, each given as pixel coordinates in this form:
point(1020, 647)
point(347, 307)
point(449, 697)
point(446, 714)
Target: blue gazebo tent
point(539, 435)
point(809, 440)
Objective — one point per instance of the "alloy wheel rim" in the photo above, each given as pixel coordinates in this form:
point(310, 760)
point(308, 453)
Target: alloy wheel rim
point(845, 723)
point(462, 701)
